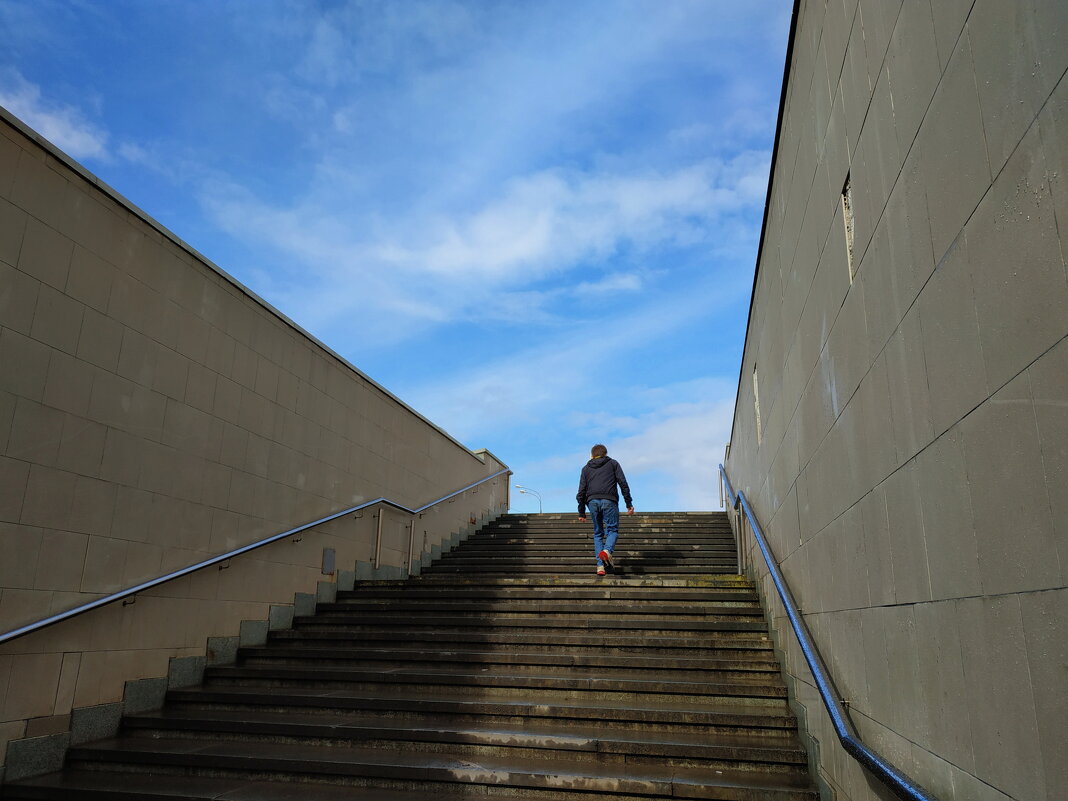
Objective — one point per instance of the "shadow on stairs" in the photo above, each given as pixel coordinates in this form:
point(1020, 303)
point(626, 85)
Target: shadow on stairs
point(507, 669)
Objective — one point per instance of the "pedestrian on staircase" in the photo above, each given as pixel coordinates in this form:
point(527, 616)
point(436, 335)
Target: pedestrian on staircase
point(597, 490)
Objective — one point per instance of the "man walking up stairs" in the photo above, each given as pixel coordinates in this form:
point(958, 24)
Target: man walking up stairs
point(597, 489)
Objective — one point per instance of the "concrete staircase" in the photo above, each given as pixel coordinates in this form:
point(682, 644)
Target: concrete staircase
point(507, 669)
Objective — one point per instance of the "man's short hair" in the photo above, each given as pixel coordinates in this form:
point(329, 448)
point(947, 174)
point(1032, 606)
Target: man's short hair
point(597, 451)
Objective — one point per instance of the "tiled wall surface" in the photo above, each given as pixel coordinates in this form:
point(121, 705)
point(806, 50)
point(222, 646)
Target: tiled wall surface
point(912, 467)
point(153, 414)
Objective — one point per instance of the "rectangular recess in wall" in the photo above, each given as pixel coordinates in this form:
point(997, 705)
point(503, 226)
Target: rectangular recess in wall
point(756, 404)
point(847, 218)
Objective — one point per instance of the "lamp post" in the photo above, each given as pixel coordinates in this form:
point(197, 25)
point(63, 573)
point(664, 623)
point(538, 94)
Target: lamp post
point(527, 491)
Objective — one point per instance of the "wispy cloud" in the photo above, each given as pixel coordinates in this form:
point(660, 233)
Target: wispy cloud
point(578, 377)
point(620, 282)
point(668, 451)
point(678, 448)
point(64, 126)
point(552, 218)
point(431, 270)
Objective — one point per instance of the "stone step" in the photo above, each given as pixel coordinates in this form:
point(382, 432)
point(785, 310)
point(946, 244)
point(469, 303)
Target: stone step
point(392, 769)
point(584, 563)
point(100, 785)
point(741, 620)
point(718, 581)
point(625, 541)
point(642, 537)
point(646, 627)
point(583, 553)
point(511, 641)
point(521, 541)
point(663, 537)
point(626, 523)
point(687, 545)
point(669, 534)
point(694, 610)
point(571, 516)
point(487, 610)
point(769, 752)
point(621, 571)
point(572, 524)
point(648, 550)
point(522, 594)
point(359, 655)
point(543, 686)
point(404, 770)
point(709, 715)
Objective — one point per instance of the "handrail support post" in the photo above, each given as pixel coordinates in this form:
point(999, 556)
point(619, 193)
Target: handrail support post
point(739, 533)
point(378, 537)
point(411, 542)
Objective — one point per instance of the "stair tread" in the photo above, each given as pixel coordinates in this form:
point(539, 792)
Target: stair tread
point(503, 677)
point(432, 699)
point(523, 594)
point(630, 662)
point(170, 787)
point(590, 737)
point(303, 758)
point(549, 581)
point(543, 622)
point(585, 608)
point(601, 639)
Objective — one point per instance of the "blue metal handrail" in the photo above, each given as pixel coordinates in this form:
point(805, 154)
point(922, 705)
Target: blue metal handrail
point(185, 571)
point(900, 784)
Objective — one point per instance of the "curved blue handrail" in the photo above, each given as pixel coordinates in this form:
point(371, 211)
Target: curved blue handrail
point(900, 784)
point(185, 571)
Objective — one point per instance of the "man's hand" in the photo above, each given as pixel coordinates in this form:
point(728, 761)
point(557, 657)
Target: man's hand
point(582, 519)
point(630, 510)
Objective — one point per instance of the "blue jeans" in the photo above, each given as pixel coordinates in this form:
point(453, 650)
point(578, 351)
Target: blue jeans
point(605, 516)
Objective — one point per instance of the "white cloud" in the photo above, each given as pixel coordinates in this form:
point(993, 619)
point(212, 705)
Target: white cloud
point(617, 282)
point(485, 262)
point(62, 125)
point(669, 451)
point(549, 383)
point(678, 450)
point(135, 154)
point(554, 218)
point(344, 43)
point(694, 132)
point(324, 59)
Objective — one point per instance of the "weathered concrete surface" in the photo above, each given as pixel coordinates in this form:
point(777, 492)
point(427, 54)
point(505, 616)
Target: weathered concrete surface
point(914, 447)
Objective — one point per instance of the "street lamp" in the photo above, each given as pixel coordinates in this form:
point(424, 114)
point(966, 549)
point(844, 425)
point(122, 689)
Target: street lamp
point(528, 491)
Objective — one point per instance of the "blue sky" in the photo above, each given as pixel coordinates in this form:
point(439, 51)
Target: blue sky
point(534, 222)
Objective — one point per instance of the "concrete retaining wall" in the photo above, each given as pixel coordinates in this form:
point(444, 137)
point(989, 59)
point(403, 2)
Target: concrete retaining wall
point(154, 413)
point(911, 456)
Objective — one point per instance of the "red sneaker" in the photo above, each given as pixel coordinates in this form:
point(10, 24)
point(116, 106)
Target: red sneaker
point(606, 557)
point(600, 571)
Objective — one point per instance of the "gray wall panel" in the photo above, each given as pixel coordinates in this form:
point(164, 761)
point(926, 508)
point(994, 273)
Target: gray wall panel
point(912, 466)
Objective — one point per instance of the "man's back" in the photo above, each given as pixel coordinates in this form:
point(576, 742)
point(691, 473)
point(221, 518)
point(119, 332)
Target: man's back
point(599, 479)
